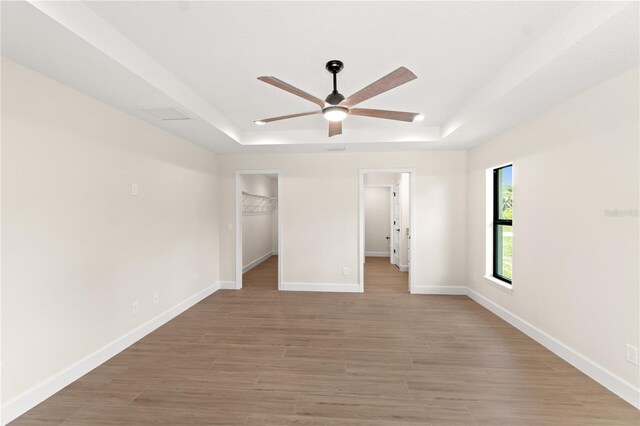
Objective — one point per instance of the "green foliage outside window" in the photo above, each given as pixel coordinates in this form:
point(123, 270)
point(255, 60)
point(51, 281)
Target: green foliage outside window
point(507, 202)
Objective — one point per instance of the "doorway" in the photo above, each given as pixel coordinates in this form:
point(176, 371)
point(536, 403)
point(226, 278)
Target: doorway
point(258, 230)
point(385, 230)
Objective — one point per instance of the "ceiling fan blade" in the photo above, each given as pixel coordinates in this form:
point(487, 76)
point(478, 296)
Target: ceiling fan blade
point(293, 90)
point(388, 82)
point(335, 128)
point(381, 113)
point(284, 117)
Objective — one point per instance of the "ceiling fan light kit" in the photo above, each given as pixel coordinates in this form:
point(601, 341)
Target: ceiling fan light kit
point(336, 107)
point(335, 113)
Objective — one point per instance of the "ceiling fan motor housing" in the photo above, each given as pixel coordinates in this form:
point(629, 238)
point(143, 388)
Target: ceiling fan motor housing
point(334, 98)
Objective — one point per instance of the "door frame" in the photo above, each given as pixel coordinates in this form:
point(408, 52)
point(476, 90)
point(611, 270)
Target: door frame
point(239, 174)
point(412, 206)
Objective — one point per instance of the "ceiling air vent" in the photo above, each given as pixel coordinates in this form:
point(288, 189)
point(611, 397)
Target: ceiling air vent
point(166, 114)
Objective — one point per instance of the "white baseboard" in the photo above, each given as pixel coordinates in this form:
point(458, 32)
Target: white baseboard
point(228, 285)
point(34, 396)
point(615, 384)
point(445, 290)
point(403, 268)
point(274, 252)
point(377, 254)
point(256, 262)
point(328, 287)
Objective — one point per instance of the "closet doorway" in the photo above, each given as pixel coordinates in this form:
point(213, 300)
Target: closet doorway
point(385, 230)
point(258, 230)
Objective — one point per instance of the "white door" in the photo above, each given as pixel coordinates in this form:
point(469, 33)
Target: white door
point(396, 225)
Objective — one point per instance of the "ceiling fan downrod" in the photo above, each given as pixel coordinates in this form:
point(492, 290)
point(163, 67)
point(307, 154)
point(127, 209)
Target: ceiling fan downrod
point(334, 67)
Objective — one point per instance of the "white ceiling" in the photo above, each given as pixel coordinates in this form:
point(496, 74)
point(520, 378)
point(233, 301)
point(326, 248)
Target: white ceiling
point(482, 66)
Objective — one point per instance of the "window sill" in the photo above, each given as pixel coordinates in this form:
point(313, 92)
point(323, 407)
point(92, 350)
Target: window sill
point(500, 285)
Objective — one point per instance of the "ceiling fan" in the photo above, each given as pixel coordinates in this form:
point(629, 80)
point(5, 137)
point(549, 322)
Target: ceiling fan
point(336, 107)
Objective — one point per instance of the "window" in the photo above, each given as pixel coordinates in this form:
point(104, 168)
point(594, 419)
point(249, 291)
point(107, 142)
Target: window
point(503, 223)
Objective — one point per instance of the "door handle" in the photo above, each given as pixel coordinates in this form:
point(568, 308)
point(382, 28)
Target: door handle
point(398, 230)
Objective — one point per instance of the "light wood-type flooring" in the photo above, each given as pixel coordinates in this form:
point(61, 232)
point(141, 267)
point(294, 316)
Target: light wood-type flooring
point(257, 356)
point(264, 276)
point(381, 275)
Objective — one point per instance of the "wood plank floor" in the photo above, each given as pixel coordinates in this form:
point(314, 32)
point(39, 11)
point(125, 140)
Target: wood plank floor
point(264, 276)
point(381, 275)
point(262, 357)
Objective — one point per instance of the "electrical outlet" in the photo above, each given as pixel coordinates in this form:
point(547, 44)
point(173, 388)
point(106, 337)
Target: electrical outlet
point(345, 271)
point(196, 278)
point(632, 354)
point(230, 226)
point(136, 308)
point(156, 298)
point(134, 189)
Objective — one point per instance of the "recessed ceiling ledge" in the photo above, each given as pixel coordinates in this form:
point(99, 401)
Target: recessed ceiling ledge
point(297, 137)
point(576, 25)
point(86, 24)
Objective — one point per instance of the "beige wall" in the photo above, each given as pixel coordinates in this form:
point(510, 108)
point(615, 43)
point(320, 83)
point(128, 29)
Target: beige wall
point(77, 248)
point(575, 269)
point(319, 208)
point(381, 178)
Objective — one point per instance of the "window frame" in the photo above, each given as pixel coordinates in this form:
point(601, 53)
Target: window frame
point(497, 222)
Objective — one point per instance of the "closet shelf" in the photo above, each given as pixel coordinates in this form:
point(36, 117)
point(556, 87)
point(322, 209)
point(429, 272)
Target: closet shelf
point(253, 203)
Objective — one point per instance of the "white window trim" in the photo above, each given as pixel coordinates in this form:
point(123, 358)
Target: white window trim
point(500, 285)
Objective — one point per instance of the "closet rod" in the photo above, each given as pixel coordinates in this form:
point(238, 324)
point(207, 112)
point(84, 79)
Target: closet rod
point(248, 194)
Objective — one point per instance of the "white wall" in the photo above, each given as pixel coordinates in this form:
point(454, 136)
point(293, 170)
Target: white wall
point(377, 214)
point(319, 205)
point(575, 269)
point(259, 229)
point(77, 248)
